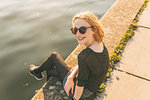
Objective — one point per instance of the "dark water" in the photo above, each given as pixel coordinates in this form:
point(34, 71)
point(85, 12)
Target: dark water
point(29, 31)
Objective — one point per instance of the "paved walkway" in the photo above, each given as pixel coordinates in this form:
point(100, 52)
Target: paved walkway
point(136, 60)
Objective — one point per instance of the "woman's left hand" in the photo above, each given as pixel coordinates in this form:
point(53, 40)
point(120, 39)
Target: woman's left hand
point(69, 85)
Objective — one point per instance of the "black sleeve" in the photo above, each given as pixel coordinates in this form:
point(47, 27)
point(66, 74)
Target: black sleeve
point(83, 71)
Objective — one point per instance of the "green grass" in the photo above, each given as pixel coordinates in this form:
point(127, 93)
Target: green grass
point(116, 56)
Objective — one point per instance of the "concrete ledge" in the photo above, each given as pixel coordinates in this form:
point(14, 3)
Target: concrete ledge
point(115, 23)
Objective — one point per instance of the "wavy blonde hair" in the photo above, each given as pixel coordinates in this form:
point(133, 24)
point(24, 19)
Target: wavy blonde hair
point(93, 21)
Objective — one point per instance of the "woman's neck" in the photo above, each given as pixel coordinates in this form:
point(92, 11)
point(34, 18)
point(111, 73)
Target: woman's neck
point(96, 47)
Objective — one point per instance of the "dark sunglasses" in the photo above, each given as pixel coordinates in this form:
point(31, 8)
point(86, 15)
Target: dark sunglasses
point(82, 29)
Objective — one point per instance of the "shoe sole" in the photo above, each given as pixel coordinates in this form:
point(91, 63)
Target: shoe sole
point(36, 77)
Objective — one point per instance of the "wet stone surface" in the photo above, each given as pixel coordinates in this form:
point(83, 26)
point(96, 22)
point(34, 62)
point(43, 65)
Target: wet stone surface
point(53, 90)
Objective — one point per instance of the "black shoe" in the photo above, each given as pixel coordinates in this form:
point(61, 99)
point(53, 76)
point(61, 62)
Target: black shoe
point(38, 76)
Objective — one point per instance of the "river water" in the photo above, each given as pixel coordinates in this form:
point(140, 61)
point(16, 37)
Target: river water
point(29, 31)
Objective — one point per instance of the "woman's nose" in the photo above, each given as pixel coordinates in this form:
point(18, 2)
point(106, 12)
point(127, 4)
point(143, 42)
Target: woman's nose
point(78, 33)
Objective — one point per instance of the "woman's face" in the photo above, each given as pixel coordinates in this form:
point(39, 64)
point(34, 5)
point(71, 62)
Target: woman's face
point(87, 37)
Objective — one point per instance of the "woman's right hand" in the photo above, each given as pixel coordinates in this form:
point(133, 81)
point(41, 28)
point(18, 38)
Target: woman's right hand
point(69, 85)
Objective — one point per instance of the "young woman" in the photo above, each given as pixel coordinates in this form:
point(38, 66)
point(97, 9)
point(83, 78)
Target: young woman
point(83, 80)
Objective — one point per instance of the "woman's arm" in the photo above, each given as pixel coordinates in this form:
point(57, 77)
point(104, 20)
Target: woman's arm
point(78, 92)
point(74, 72)
point(70, 83)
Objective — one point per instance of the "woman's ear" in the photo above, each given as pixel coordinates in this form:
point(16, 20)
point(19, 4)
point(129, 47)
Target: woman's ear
point(95, 29)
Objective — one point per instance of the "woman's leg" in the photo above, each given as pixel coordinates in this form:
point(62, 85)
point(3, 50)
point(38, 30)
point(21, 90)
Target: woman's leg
point(54, 62)
point(51, 72)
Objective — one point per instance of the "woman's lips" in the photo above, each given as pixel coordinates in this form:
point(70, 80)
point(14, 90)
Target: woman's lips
point(81, 38)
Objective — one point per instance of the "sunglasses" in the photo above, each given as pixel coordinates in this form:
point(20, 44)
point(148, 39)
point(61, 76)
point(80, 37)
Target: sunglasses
point(82, 29)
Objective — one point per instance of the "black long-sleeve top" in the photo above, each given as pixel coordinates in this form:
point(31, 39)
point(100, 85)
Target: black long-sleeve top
point(93, 68)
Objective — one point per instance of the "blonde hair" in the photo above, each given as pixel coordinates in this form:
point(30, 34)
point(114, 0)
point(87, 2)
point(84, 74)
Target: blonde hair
point(93, 21)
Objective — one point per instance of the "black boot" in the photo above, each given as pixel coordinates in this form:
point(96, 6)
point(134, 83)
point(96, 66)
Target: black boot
point(38, 76)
